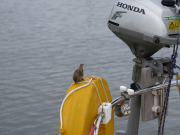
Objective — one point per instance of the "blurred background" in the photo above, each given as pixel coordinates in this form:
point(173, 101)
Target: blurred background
point(42, 42)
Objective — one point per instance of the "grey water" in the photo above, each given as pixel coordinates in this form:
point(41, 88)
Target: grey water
point(41, 44)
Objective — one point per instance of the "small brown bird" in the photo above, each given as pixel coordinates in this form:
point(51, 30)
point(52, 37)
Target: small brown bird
point(78, 74)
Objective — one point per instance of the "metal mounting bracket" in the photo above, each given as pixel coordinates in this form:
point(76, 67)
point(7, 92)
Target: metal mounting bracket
point(156, 108)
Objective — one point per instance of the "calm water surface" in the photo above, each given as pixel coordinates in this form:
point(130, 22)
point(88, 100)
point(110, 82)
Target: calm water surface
point(41, 44)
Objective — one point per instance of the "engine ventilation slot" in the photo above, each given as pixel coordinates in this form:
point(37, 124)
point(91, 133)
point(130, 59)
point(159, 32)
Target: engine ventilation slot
point(113, 23)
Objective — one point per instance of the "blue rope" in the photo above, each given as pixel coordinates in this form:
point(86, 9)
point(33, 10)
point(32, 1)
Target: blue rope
point(173, 65)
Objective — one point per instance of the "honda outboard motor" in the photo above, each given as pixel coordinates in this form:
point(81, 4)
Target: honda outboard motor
point(145, 25)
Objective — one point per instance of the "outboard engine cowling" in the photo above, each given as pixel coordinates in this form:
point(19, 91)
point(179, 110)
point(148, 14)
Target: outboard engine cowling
point(145, 25)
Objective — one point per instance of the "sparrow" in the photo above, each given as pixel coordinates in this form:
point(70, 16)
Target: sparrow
point(78, 74)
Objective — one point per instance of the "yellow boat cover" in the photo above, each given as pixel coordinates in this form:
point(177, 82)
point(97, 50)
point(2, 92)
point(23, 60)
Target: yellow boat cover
point(81, 109)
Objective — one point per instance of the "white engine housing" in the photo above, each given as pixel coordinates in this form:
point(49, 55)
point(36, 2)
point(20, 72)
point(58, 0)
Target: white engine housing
point(149, 19)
